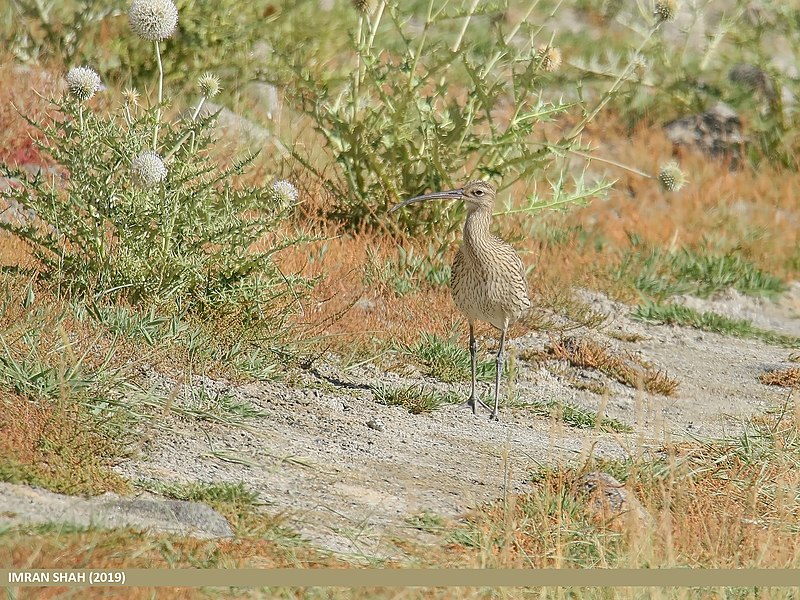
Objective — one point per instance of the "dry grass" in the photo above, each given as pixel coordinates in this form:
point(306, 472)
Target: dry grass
point(57, 446)
point(16, 145)
point(752, 210)
point(127, 549)
point(744, 488)
point(336, 321)
point(627, 369)
point(789, 377)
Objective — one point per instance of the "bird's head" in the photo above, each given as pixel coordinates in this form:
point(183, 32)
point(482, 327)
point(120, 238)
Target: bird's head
point(476, 194)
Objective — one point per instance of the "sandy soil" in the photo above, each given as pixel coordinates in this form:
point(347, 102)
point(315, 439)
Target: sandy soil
point(348, 471)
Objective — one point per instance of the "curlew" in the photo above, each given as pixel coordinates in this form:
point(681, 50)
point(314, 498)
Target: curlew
point(488, 278)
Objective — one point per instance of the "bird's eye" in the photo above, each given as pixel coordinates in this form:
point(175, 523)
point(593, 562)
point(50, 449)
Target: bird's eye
point(478, 192)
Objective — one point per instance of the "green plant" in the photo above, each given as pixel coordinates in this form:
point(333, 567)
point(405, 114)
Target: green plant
point(426, 521)
point(141, 211)
point(43, 30)
point(220, 407)
point(659, 274)
point(224, 36)
point(233, 495)
point(675, 314)
point(576, 416)
point(415, 400)
point(399, 124)
point(148, 326)
point(447, 361)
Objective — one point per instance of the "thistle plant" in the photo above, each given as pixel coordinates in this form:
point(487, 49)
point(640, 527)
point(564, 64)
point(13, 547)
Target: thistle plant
point(148, 170)
point(155, 21)
point(83, 83)
point(665, 10)
point(283, 194)
point(394, 128)
point(148, 218)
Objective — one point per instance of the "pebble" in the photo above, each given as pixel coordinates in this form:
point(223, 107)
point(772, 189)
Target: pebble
point(376, 424)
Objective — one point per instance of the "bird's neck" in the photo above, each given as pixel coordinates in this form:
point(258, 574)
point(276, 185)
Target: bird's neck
point(476, 227)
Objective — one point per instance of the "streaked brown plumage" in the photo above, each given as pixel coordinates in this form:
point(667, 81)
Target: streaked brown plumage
point(488, 278)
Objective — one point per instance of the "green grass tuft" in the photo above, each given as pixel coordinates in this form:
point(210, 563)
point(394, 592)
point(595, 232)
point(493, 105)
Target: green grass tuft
point(416, 400)
point(426, 521)
point(446, 361)
point(578, 417)
point(675, 314)
point(661, 274)
point(213, 494)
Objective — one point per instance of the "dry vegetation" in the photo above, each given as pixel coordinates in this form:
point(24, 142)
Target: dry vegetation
point(744, 488)
point(789, 377)
point(722, 211)
point(628, 370)
point(56, 447)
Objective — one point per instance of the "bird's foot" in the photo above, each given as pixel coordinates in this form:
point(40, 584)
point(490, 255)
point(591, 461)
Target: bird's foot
point(494, 416)
point(473, 403)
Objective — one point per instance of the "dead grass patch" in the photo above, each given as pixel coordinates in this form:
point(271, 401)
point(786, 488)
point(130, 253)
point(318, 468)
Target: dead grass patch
point(16, 100)
point(56, 446)
point(789, 377)
point(626, 369)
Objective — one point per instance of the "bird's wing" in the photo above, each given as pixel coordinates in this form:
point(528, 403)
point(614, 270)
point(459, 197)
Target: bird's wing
point(515, 271)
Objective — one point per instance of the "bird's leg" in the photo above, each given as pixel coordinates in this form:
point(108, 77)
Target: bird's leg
point(498, 374)
point(473, 401)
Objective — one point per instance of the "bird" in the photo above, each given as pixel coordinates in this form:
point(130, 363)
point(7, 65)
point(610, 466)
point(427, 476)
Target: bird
point(488, 281)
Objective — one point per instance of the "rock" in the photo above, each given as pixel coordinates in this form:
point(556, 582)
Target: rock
point(23, 504)
point(376, 424)
point(230, 123)
point(717, 132)
point(612, 503)
point(753, 78)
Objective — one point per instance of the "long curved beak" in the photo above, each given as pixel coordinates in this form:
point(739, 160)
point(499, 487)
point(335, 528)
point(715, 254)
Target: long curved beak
point(446, 195)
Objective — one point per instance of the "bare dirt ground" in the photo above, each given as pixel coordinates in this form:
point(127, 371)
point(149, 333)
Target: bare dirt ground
point(349, 472)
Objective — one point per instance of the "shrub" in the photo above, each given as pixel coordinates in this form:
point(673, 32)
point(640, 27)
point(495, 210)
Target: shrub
point(142, 212)
point(399, 124)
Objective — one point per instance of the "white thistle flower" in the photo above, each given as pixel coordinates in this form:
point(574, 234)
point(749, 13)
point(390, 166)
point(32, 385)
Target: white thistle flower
point(153, 20)
point(83, 83)
point(148, 170)
point(284, 193)
point(671, 177)
point(665, 10)
point(209, 85)
point(131, 96)
point(549, 57)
